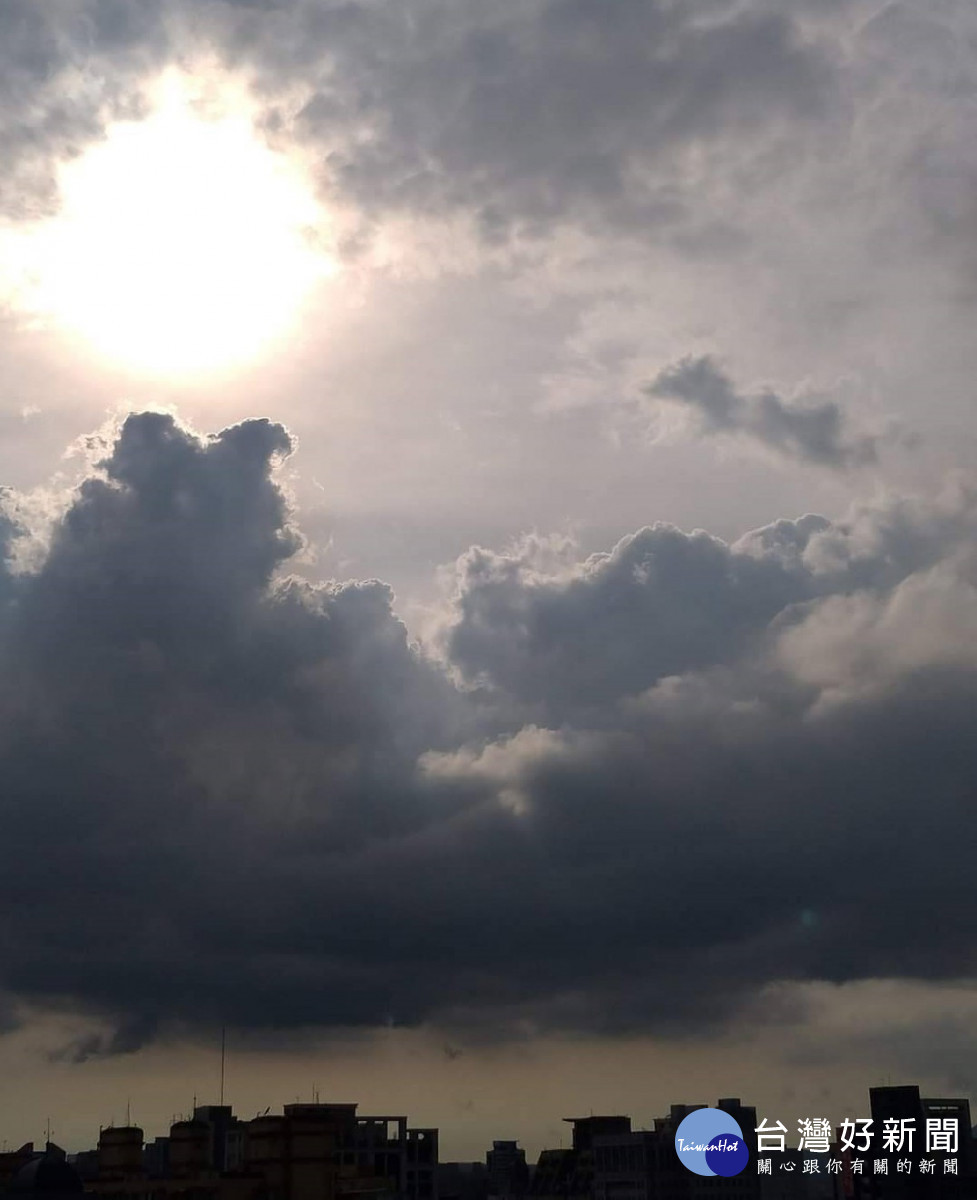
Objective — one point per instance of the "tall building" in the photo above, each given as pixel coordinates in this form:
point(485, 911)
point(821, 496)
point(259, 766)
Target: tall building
point(628, 1166)
point(322, 1151)
point(225, 1136)
point(422, 1164)
point(156, 1158)
point(508, 1174)
point(904, 1104)
point(120, 1153)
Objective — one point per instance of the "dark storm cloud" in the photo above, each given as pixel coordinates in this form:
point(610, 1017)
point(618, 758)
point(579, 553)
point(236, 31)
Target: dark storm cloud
point(811, 432)
point(674, 772)
point(157, 690)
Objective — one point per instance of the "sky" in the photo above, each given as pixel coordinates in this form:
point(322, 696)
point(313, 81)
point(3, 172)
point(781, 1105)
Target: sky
point(488, 592)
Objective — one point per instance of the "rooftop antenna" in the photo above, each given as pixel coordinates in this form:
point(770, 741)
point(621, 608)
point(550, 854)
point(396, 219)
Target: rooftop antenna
point(47, 1132)
point(128, 1116)
point(223, 1046)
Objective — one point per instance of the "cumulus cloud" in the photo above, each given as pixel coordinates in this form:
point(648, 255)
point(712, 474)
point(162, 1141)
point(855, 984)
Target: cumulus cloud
point(660, 603)
point(810, 432)
point(561, 636)
point(161, 683)
point(664, 777)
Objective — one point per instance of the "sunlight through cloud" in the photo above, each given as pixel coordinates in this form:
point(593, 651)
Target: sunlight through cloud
point(183, 246)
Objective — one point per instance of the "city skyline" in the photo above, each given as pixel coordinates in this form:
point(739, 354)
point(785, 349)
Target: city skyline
point(864, 1121)
point(333, 1150)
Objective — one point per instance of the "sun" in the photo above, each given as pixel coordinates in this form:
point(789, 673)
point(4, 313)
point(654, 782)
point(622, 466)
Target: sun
point(184, 245)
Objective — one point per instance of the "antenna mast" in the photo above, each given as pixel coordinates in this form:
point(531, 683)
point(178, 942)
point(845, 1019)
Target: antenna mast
point(223, 1046)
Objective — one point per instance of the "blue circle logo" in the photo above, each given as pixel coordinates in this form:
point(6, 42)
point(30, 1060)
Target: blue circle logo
point(710, 1142)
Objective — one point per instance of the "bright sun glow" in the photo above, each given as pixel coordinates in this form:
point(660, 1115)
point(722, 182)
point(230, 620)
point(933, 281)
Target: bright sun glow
point(183, 245)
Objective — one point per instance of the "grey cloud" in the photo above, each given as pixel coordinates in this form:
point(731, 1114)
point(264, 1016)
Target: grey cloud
point(571, 637)
point(637, 812)
point(11, 530)
point(811, 432)
point(745, 842)
point(159, 686)
point(66, 69)
point(521, 114)
point(527, 113)
point(661, 603)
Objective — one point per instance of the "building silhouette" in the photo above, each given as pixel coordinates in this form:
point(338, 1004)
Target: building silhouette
point(306, 1152)
point(506, 1169)
point(45, 1174)
point(904, 1103)
point(462, 1181)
